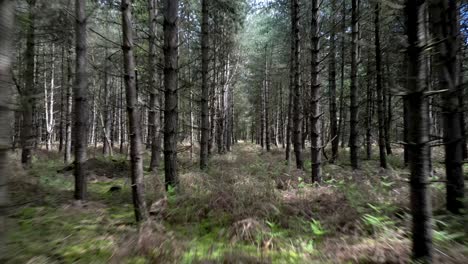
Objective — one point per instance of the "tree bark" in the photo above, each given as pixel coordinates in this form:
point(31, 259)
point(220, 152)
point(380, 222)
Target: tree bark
point(379, 88)
point(80, 96)
point(332, 89)
point(171, 43)
point(29, 93)
point(205, 122)
point(353, 109)
point(154, 115)
point(444, 19)
point(296, 106)
point(315, 131)
point(6, 114)
point(418, 134)
point(136, 145)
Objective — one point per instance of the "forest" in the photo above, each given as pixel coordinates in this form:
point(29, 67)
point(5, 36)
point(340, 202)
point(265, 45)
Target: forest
point(233, 131)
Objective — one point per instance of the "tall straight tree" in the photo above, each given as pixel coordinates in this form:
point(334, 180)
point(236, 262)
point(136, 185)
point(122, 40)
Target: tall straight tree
point(29, 92)
point(445, 28)
point(80, 97)
point(353, 108)
point(136, 145)
point(418, 132)
point(295, 88)
point(171, 47)
point(379, 88)
point(6, 115)
point(332, 87)
point(154, 115)
point(205, 122)
point(315, 133)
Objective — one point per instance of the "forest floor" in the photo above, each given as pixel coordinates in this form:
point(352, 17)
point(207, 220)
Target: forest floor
point(249, 207)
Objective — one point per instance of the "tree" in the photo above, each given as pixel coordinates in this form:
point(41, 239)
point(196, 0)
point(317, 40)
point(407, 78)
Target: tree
point(316, 142)
point(29, 91)
point(418, 133)
point(154, 115)
point(136, 147)
point(334, 134)
point(380, 103)
point(445, 29)
point(6, 94)
point(353, 108)
point(205, 122)
point(171, 44)
point(80, 96)
point(295, 87)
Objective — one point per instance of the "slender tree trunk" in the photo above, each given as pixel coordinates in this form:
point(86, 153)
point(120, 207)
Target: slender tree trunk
point(332, 89)
point(369, 113)
point(6, 115)
point(315, 133)
point(445, 25)
point(171, 44)
point(205, 122)
point(296, 115)
point(136, 145)
point(266, 103)
point(418, 134)
point(68, 105)
point(380, 103)
point(353, 109)
point(105, 114)
point(29, 93)
point(154, 111)
point(342, 120)
point(80, 95)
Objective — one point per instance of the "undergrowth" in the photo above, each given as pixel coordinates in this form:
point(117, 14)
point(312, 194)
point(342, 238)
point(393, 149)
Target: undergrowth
point(249, 207)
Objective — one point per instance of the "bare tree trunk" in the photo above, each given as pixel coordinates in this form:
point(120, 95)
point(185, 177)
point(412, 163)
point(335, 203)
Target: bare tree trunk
point(332, 87)
point(342, 120)
point(136, 145)
point(80, 113)
point(445, 29)
point(205, 122)
point(154, 116)
point(171, 44)
point(6, 115)
point(380, 103)
point(68, 104)
point(353, 109)
point(105, 114)
point(315, 131)
point(418, 134)
point(369, 113)
point(29, 93)
point(266, 102)
point(296, 115)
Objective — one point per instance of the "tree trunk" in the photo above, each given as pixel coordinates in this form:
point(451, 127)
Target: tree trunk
point(266, 103)
point(80, 95)
point(105, 114)
point(296, 115)
point(332, 87)
point(136, 145)
point(342, 120)
point(353, 109)
point(6, 115)
point(380, 103)
point(445, 28)
point(29, 93)
point(418, 134)
point(154, 108)
point(171, 43)
point(369, 113)
point(68, 104)
point(205, 122)
point(315, 133)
